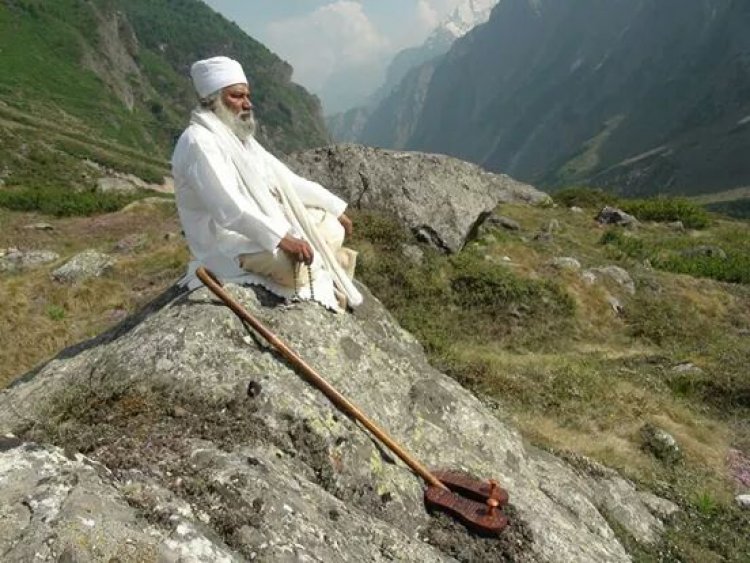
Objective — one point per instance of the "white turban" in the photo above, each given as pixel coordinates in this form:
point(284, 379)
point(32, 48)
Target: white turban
point(210, 75)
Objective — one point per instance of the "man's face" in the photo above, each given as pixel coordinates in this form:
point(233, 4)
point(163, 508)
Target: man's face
point(236, 111)
point(236, 98)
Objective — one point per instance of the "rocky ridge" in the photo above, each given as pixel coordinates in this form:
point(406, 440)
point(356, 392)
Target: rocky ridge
point(179, 435)
point(441, 199)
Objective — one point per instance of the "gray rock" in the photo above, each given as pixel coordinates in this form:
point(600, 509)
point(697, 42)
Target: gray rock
point(504, 222)
point(576, 209)
point(551, 226)
point(40, 227)
point(743, 501)
point(618, 275)
point(676, 226)
point(109, 184)
point(58, 507)
point(412, 253)
point(543, 236)
point(589, 278)
point(687, 367)
point(13, 260)
point(659, 507)
point(615, 304)
point(128, 183)
point(131, 242)
point(661, 444)
point(492, 222)
point(565, 263)
point(704, 250)
point(87, 264)
point(614, 216)
point(259, 464)
point(149, 204)
point(439, 197)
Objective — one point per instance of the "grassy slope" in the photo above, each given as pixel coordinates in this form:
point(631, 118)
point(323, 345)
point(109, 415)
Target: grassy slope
point(55, 112)
point(41, 66)
point(586, 382)
point(543, 346)
point(175, 33)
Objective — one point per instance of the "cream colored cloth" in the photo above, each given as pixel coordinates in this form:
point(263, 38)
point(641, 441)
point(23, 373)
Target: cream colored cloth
point(282, 270)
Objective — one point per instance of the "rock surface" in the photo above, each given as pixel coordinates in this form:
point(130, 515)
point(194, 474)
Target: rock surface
point(614, 216)
point(87, 264)
point(565, 263)
point(618, 275)
point(13, 259)
point(661, 443)
point(206, 445)
point(439, 198)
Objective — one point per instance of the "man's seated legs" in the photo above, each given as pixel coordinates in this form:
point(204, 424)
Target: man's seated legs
point(280, 268)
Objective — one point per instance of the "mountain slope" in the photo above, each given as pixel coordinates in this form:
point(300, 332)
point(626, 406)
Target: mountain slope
point(646, 96)
point(399, 97)
point(112, 75)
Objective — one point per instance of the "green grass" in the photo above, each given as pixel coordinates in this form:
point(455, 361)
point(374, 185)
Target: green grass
point(668, 209)
point(543, 345)
point(42, 45)
point(548, 348)
point(55, 312)
point(679, 255)
point(581, 196)
point(467, 296)
point(63, 202)
point(659, 209)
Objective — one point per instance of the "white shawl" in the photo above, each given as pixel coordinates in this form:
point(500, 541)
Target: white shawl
point(298, 217)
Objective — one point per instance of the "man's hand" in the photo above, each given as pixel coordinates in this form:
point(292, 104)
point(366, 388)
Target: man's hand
point(297, 249)
point(347, 224)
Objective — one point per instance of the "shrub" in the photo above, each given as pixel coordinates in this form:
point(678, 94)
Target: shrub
point(630, 245)
point(595, 198)
point(664, 209)
point(445, 300)
point(55, 312)
point(493, 302)
point(665, 322)
point(63, 202)
point(735, 268)
point(379, 229)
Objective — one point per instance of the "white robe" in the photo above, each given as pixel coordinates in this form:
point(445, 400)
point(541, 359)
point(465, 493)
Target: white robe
point(221, 221)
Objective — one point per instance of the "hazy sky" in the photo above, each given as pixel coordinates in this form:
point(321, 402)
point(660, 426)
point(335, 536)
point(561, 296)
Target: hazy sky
point(323, 38)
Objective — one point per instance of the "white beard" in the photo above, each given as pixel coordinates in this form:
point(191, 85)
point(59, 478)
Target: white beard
point(241, 124)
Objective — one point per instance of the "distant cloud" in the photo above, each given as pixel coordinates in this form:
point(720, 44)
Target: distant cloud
point(427, 14)
point(430, 14)
point(330, 39)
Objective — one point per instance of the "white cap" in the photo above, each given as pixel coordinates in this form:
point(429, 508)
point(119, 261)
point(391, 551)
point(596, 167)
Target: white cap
point(210, 75)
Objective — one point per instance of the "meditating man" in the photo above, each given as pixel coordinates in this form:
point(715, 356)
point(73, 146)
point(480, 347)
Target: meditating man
point(247, 217)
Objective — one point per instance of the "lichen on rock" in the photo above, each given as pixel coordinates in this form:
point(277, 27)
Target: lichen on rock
point(209, 439)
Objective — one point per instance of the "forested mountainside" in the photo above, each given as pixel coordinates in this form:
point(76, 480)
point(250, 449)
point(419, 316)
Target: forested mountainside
point(641, 96)
point(108, 80)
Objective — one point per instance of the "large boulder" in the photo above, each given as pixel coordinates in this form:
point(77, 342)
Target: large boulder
point(438, 197)
point(200, 442)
